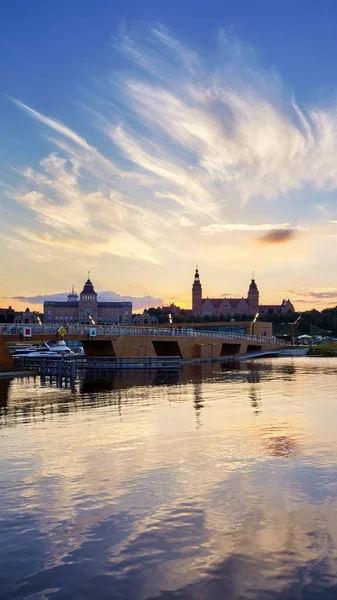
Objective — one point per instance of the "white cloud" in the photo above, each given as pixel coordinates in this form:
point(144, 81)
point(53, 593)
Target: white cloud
point(57, 126)
point(192, 145)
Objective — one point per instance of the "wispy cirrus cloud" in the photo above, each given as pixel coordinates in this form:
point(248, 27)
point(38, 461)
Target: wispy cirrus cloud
point(192, 145)
point(315, 294)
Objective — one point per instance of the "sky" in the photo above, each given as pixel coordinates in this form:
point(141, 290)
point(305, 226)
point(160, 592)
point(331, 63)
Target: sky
point(143, 138)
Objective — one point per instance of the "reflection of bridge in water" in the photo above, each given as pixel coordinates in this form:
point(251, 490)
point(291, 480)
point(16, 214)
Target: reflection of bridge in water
point(118, 341)
point(115, 389)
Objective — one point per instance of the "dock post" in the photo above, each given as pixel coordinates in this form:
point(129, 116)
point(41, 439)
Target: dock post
point(59, 372)
point(43, 371)
point(73, 375)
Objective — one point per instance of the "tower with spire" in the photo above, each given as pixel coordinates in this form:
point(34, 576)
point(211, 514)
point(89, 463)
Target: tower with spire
point(253, 296)
point(88, 306)
point(197, 295)
point(72, 297)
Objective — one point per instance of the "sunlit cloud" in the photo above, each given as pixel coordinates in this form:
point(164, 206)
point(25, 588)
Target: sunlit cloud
point(315, 294)
point(185, 147)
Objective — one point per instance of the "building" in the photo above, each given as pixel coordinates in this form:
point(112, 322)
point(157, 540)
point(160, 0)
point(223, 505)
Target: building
point(7, 315)
point(277, 309)
point(228, 307)
point(86, 308)
point(26, 317)
point(144, 319)
point(172, 309)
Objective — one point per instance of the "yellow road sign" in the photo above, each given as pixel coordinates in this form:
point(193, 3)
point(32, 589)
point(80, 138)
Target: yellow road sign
point(62, 331)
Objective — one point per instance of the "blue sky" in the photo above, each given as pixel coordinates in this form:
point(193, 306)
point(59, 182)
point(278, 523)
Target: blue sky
point(140, 138)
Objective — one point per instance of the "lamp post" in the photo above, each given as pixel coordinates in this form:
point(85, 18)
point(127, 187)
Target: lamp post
point(293, 327)
point(254, 321)
point(92, 321)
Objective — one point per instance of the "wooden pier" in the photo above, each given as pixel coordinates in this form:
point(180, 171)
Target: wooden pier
point(65, 370)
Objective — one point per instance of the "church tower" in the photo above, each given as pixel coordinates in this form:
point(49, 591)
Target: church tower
point(197, 295)
point(253, 297)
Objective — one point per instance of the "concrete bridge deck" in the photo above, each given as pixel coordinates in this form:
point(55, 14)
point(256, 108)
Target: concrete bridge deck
point(15, 332)
point(123, 341)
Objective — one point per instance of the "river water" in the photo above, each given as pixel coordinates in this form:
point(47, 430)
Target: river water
point(212, 483)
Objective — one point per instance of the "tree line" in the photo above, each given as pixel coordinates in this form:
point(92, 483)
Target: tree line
point(311, 322)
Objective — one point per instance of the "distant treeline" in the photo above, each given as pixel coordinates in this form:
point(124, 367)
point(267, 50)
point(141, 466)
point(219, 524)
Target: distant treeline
point(312, 321)
point(182, 317)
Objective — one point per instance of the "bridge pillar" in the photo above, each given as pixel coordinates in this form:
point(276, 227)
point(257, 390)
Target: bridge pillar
point(6, 360)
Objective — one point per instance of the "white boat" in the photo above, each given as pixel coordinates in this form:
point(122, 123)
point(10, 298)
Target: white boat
point(42, 354)
point(51, 349)
point(25, 351)
point(58, 346)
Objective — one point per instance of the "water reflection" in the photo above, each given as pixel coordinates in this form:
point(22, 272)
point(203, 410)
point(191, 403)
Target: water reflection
point(211, 483)
point(4, 391)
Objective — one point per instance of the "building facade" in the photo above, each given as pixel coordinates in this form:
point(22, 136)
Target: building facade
point(144, 319)
point(7, 315)
point(228, 307)
point(86, 308)
point(26, 317)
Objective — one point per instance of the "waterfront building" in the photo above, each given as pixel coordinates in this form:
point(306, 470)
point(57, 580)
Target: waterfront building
point(7, 315)
point(26, 317)
point(249, 305)
point(145, 319)
point(172, 309)
point(86, 308)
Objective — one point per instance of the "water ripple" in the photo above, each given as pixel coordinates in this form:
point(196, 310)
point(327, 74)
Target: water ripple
point(214, 483)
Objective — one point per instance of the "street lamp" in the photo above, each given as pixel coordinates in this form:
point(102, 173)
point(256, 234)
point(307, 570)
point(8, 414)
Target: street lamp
point(292, 328)
point(254, 321)
point(91, 319)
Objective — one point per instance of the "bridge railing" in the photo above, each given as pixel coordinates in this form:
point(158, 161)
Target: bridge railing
point(8, 329)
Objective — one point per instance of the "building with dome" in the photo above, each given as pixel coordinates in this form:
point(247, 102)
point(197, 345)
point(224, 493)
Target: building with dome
point(145, 319)
point(26, 317)
point(86, 308)
point(228, 307)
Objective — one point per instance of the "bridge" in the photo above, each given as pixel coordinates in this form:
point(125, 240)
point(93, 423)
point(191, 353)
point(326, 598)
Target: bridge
point(130, 341)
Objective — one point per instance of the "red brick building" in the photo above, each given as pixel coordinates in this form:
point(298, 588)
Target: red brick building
point(229, 307)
